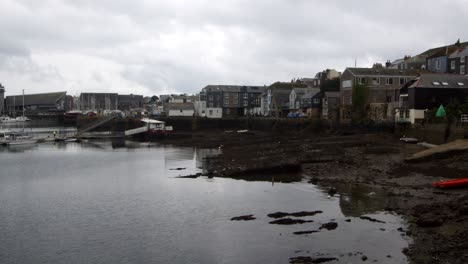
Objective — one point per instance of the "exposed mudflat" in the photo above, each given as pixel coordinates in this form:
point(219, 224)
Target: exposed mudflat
point(438, 218)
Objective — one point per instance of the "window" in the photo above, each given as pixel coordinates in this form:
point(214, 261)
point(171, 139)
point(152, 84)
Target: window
point(407, 113)
point(226, 101)
point(462, 69)
point(181, 111)
point(462, 59)
point(389, 81)
point(361, 80)
point(210, 112)
point(210, 98)
point(228, 111)
point(402, 81)
point(389, 99)
point(452, 65)
point(316, 100)
point(376, 81)
point(437, 65)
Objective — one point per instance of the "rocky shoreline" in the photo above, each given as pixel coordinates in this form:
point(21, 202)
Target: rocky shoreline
point(438, 218)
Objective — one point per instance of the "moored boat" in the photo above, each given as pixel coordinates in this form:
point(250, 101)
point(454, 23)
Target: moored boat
point(7, 119)
point(9, 138)
point(452, 183)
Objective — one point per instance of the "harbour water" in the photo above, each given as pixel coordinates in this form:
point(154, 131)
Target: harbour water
point(100, 202)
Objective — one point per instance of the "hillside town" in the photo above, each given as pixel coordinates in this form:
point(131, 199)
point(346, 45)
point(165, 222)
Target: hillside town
point(404, 90)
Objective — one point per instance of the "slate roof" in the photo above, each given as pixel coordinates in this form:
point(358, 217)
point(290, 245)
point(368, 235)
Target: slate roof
point(459, 53)
point(443, 52)
point(451, 81)
point(35, 99)
point(431, 52)
point(311, 94)
point(382, 72)
point(301, 91)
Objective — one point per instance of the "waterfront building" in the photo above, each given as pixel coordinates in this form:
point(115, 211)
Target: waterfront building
point(458, 61)
point(180, 109)
point(230, 100)
point(99, 101)
point(438, 58)
point(383, 86)
point(130, 101)
point(2, 98)
point(311, 103)
point(429, 91)
point(43, 103)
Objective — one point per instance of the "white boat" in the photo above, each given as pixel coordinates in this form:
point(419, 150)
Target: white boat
point(7, 119)
point(9, 138)
point(22, 119)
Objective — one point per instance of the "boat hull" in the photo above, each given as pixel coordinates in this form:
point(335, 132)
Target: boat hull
point(452, 183)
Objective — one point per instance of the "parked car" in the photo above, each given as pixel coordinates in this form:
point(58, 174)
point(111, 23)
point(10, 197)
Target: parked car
point(293, 115)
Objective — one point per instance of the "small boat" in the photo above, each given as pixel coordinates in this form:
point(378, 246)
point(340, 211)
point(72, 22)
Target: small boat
point(7, 119)
point(452, 183)
point(22, 119)
point(9, 138)
point(409, 140)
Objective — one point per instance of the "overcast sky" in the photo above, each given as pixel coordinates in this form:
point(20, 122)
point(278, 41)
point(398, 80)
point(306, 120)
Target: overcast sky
point(156, 47)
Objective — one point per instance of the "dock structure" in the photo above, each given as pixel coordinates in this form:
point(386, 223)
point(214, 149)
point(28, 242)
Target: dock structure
point(151, 125)
point(95, 125)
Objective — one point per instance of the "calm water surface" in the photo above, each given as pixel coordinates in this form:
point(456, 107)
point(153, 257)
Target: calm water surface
point(104, 203)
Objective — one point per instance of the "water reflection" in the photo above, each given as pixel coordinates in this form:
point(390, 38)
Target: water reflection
point(18, 148)
point(356, 200)
point(100, 202)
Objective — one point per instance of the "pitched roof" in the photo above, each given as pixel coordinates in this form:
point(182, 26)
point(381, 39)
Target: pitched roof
point(443, 52)
point(440, 81)
point(432, 51)
point(311, 94)
point(459, 53)
point(301, 91)
point(382, 72)
point(36, 99)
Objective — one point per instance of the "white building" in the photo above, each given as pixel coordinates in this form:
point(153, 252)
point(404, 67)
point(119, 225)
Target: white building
point(200, 108)
point(214, 112)
point(180, 109)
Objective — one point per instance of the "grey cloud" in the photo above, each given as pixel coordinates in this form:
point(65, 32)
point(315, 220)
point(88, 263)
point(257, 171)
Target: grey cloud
point(178, 45)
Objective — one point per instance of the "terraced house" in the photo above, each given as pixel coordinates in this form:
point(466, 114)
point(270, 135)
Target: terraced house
point(383, 85)
point(458, 61)
point(230, 100)
point(427, 92)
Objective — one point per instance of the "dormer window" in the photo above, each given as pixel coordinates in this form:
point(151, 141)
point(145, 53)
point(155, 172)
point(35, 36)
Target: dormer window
point(436, 83)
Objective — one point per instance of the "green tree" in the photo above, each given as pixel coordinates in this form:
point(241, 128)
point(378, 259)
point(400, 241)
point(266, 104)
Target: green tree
point(360, 101)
